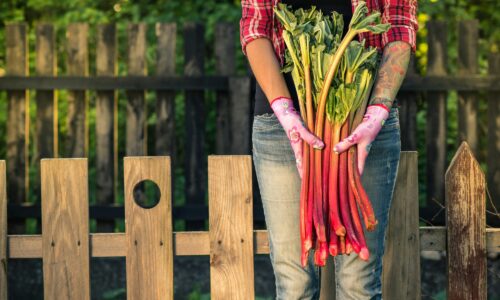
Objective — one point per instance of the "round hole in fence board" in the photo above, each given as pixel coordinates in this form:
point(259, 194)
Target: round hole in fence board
point(146, 193)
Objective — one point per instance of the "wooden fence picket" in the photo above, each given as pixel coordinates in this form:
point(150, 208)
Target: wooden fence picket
point(436, 115)
point(195, 158)
point(136, 130)
point(106, 123)
point(466, 227)
point(401, 276)
point(77, 142)
point(231, 227)
point(65, 223)
point(468, 48)
point(149, 231)
point(17, 120)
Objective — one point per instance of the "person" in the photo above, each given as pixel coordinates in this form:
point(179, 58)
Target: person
point(277, 137)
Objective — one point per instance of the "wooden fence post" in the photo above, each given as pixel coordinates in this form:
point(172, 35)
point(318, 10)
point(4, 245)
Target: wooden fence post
point(494, 136)
point(149, 231)
point(436, 115)
point(240, 118)
point(225, 65)
point(78, 65)
point(466, 227)
point(106, 123)
point(65, 228)
point(408, 113)
point(3, 233)
point(401, 270)
point(165, 100)
point(17, 120)
point(231, 227)
point(136, 105)
point(468, 40)
point(46, 101)
point(195, 159)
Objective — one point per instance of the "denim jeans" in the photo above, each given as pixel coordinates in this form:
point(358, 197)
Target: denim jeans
point(279, 184)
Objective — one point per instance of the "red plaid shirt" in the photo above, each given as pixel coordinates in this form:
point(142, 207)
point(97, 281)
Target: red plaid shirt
point(257, 20)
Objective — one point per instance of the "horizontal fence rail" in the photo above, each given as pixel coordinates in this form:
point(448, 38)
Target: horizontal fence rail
point(149, 243)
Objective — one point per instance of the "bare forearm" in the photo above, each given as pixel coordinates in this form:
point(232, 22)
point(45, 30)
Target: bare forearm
point(265, 66)
point(391, 73)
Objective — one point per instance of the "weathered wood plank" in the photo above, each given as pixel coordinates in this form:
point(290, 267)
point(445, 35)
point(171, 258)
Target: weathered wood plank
point(468, 46)
point(231, 227)
point(401, 270)
point(136, 131)
point(224, 65)
point(165, 100)
point(65, 237)
point(149, 231)
point(493, 147)
point(466, 227)
point(3, 232)
point(436, 115)
point(166, 35)
point(408, 113)
point(106, 123)
point(46, 101)
point(239, 88)
point(17, 119)
point(195, 158)
point(77, 141)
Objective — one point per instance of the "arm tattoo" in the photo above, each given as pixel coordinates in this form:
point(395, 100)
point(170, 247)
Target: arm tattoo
point(392, 71)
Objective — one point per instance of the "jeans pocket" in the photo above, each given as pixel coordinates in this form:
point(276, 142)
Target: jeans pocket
point(265, 122)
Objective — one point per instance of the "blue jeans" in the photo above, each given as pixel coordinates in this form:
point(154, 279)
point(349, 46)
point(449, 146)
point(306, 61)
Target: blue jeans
point(279, 184)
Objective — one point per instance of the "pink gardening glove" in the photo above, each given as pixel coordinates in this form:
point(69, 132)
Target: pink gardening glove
point(365, 133)
point(294, 128)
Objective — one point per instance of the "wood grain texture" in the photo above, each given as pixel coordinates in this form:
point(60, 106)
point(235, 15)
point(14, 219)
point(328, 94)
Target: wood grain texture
point(65, 223)
point(436, 115)
point(3, 232)
point(493, 135)
point(231, 227)
point(77, 141)
point(225, 65)
point(195, 158)
point(197, 243)
point(401, 269)
point(468, 47)
point(106, 122)
point(17, 119)
point(136, 133)
point(466, 227)
point(149, 231)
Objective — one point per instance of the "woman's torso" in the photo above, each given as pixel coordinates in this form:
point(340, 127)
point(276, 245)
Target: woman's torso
point(343, 7)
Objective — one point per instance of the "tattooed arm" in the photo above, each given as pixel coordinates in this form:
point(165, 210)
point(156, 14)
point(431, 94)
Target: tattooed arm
point(392, 71)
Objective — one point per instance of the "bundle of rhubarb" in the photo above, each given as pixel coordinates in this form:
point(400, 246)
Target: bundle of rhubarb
point(333, 77)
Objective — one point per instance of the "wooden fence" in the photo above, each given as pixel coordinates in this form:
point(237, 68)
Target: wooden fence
point(232, 133)
point(150, 243)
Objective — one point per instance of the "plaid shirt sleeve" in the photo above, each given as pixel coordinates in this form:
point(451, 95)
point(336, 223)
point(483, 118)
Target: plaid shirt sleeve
point(257, 21)
point(402, 15)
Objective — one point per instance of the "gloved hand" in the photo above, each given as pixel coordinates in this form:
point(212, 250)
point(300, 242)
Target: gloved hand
point(294, 128)
point(365, 133)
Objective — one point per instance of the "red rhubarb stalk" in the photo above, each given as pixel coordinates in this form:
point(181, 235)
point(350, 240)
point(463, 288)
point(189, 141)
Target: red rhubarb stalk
point(344, 195)
point(333, 201)
point(362, 198)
